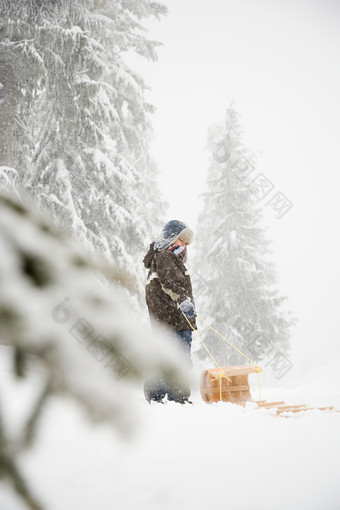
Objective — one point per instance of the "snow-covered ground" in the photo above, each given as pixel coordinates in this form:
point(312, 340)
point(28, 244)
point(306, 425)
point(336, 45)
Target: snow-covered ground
point(200, 456)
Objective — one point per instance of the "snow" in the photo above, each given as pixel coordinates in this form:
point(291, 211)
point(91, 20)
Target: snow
point(193, 456)
point(8, 176)
point(199, 456)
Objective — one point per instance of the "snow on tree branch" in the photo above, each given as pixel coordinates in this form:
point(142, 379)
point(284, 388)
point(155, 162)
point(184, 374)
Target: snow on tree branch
point(77, 337)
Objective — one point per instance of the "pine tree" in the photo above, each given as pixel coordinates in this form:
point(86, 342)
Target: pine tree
point(83, 124)
point(236, 283)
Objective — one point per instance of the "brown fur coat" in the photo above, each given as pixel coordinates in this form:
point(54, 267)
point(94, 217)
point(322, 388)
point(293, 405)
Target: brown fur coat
point(168, 285)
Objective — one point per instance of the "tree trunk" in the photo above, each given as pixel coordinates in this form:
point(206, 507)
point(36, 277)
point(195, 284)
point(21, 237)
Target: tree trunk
point(8, 110)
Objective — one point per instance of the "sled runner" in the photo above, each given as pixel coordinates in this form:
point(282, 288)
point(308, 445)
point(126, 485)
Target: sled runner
point(281, 407)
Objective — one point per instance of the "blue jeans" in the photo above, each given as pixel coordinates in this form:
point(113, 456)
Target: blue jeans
point(185, 338)
point(155, 388)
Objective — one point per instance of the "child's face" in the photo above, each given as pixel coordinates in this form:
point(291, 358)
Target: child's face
point(179, 242)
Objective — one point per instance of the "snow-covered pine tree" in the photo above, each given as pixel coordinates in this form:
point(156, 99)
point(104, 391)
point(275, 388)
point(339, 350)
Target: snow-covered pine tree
point(235, 281)
point(83, 124)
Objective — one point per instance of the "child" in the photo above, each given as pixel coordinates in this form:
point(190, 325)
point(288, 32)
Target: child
point(169, 296)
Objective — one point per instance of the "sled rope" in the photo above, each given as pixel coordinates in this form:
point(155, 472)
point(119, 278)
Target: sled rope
point(258, 368)
point(221, 375)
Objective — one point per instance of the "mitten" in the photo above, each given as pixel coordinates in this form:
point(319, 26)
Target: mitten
point(187, 308)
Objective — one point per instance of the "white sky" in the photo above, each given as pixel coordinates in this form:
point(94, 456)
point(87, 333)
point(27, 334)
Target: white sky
point(279, 61)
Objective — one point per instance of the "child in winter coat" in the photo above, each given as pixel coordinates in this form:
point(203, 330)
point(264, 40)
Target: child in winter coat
point(169, 296)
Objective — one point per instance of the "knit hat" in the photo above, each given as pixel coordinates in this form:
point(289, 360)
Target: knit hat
point(173, 230)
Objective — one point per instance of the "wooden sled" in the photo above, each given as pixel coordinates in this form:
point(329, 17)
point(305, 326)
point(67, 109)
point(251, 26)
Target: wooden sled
point(230, 384)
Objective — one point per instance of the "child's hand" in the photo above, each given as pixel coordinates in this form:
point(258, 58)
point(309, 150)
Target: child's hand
point(187, 308)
